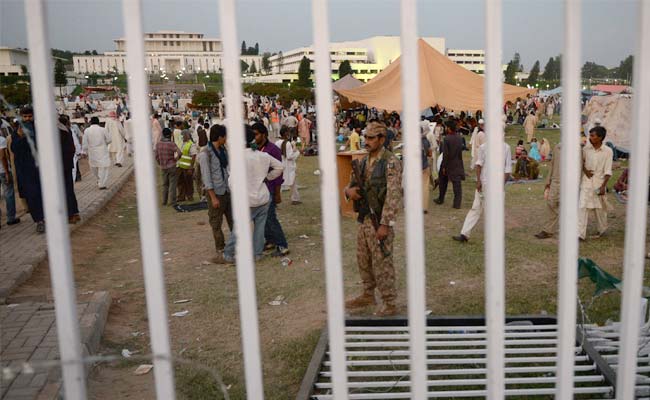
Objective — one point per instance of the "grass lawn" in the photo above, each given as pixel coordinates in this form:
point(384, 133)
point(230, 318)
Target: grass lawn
point(106, 255)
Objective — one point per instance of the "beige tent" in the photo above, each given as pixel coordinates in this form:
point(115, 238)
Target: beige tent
point(615, 114)
point(346, 83)
point(442, 82)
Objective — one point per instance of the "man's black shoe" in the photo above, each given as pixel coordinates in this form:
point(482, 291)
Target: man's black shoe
point(460, 238)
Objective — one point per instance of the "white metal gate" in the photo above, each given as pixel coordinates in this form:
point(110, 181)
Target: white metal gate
point(59, 242)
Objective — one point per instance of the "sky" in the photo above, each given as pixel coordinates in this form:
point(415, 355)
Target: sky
point(533, 28)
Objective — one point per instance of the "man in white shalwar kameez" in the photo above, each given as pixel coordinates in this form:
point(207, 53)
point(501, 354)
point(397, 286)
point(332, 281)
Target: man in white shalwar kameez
point(95, 146)
point(596, 171)
point(128, 130)
point(76, 137)
point(118, 139)
point(478, 138)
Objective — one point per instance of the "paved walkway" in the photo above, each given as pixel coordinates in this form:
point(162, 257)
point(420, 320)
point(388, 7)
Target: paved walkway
point(29, 340)
point(22, 249)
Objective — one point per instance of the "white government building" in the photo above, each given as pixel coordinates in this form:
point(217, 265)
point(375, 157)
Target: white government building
point(367, 58)
point(13, 61)
point(169, 51)
point(174, 51)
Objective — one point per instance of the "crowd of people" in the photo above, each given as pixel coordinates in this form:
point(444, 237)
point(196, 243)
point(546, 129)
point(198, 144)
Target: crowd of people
point(190, 147)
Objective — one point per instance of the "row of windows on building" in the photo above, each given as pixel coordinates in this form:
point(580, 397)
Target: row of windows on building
point(190, 64)
point(465, 55)
point(469, 62)
point(171, 35)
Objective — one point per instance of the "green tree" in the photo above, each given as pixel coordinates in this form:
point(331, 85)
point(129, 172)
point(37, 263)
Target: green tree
point(95, 53)
point(244, 49)
point(59, 75)
point(253, 68)
point(514, 66)
point(17, 95)
point(345, 69)
point(549, 70)
point(244, 66)
point(266, 63)
point(304, 72)
point(624, 70)
point(592, 70)
point(534, 74)
point(205, 99)
point(257, 49)
point(511, 73)
point(23, 69)
point(280, 61)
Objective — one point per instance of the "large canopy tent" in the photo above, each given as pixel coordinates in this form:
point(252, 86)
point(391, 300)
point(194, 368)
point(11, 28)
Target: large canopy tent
point(346, 83)
point(442, 82)
point(614, 113)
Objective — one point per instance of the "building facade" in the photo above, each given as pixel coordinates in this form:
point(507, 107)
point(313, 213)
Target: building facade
point(166, 51)
point(13, 61)
point(473, 60)
point(367, 57)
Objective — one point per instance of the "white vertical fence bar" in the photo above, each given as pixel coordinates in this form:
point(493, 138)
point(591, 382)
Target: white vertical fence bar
point(54, 204)
point(413, 199)
point(494, 202)
point(570, 161)
point(241, 210)
point(637, 214)
point(147, 198)
point(329, 199)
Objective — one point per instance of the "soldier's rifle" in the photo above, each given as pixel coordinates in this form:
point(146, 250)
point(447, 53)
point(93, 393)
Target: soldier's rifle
point(374, 218)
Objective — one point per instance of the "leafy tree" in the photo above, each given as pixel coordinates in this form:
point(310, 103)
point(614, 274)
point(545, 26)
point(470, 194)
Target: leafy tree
point(205, 99)
point(280, 61)
point(23, 69)
point(250, 51)
point(511, 73)
point(534, 74)
point(87, 53)
point(244, 49)
point(514, 66)
point(624, 70)
point(266, 63)
point(65, 54)
point(345, 69)
point(95, 52)
point(59, 75)
point(257, 49)
point(244, 66)
point(92, 79)
point(549, 70)
point(304, 72)
point(17, 95)
point(592, 70)
point(253, 68)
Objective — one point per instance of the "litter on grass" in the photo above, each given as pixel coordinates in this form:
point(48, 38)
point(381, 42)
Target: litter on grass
point(279, 300)
point(143, 369)
point(180, 313)
point(182, 301)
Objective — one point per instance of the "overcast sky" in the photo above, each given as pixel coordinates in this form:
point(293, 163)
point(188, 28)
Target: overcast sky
point(534, 28)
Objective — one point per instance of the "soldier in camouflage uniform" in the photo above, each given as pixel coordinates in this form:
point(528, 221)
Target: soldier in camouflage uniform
point(381, 193)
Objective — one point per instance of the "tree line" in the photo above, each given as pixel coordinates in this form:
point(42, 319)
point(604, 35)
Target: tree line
point(553, 69)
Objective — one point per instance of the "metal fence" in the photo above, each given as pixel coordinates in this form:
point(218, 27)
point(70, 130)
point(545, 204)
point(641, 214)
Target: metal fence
point(59, 242)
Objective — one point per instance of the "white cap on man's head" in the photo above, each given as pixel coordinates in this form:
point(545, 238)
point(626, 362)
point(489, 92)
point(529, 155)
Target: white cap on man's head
point(480, 121)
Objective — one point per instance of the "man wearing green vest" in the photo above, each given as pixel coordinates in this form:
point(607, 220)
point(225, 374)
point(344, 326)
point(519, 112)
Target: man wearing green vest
point(186, 168)
point(377, 193)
